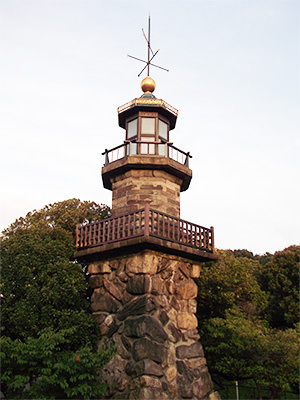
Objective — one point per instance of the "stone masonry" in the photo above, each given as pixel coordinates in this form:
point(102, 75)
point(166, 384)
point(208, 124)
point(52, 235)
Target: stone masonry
point(145, 304)
point(131, 190)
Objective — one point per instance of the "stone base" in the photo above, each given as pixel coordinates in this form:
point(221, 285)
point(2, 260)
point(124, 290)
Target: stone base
point(145, 304)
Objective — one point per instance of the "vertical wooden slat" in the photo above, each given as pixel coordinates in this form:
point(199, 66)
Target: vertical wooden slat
point(147, 219)
point(77, 236)
point(204, 238)
point(168, 227)
point(134, 223)
point(108, 231)
point(90, 228)
point(212, 238)
point(85, 236)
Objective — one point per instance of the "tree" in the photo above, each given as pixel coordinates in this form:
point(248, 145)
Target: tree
point(64, 214)
point(234, 321)
point(46, 320)
point(279, 278)
point(246, 348)
point(229, 281)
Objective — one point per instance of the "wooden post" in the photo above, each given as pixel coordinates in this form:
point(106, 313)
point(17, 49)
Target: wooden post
point(77, 235)
point(212, 238)
point(106, 157)
point(147, 220)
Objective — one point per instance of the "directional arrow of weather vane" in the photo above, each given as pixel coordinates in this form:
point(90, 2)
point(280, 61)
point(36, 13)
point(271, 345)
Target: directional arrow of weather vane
point(150, 57)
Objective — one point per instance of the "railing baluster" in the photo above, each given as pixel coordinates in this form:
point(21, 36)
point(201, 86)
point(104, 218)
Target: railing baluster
point(212, 238)
point(147, 219)
point(134, 223)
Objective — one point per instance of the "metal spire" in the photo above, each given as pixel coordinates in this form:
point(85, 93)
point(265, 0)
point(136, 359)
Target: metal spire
point(151, 55)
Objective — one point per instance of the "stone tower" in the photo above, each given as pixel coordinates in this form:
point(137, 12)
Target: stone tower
point(142, 261)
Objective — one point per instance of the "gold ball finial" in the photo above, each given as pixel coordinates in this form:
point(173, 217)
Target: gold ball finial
point(148, 84)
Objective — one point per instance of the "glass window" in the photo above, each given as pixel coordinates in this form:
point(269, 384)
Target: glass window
point(147, 138)
point(132, 129)
point(162, 149)
point(151, 148)
point(132, 148)
point(162, 129)
point(144, 148)
point(148, 126)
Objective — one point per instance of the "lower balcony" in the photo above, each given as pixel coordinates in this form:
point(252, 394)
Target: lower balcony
point(145, 228)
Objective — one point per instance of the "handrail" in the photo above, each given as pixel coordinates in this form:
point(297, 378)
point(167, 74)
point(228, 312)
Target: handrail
point(137, 147)
point(145, 222)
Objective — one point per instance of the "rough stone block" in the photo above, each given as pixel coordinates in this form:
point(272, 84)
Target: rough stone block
point(144, 367)
point(150, 381)
point(113, 328)
point(187, 290)
point(113, 374)
point(184, 371)
point(145, 263)
point(141, 305)
point(191, 334)
point(192, 351)
point(112, 289)
point(174, 334)
point(168, 272)
point(170, 287)
point(158, 285)
point(203, 385)
point(145, 326)
point(174, 303)
point(172, 314)
point(195, 271)
point(106, 302)
point(187, 321)
point(184, 269)
point(195, 363)
point(192, 306)
point(139, 284)
point(171, 373)
point(99, 268)
point(126, 343)
point(163, 317)
point(146, 349)
point(184, 388)
point(96, 281)
point(150, 394)
point(214, 396)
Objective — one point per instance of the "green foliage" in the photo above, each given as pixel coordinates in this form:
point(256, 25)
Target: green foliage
point(228, 282)
point(281, 361)
point(242, 348)
point(234, 311)
point(45, 313)
point(280, 279)
point(64, 214)
point(46, 367)
point(235, 344)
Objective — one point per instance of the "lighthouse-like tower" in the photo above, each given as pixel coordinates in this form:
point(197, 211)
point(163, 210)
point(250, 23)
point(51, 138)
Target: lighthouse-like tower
point(142, 261)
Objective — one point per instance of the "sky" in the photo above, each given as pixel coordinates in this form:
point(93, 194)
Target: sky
point(233, 76)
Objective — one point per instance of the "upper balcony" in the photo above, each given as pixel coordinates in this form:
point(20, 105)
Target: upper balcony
point(151, 148)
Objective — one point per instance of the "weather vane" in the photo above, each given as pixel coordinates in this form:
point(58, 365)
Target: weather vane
point(151, 55)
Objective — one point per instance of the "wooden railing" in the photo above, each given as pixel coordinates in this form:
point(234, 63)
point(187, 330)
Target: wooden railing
point(146, 148)
point(145, 222)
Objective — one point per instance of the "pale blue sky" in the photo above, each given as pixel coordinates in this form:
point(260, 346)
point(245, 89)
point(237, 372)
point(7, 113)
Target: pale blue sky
point(234, 76)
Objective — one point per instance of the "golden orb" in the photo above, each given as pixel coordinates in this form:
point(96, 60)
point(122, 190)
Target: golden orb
point(148, 84)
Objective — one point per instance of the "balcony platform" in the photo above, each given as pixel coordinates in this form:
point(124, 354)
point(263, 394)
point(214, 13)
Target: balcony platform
point(144, 229)
point(149, 162)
